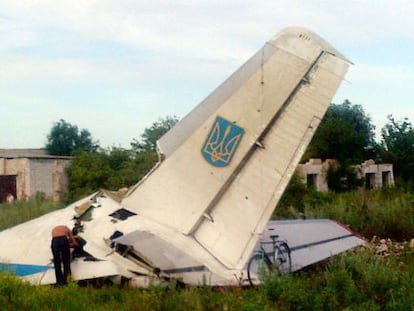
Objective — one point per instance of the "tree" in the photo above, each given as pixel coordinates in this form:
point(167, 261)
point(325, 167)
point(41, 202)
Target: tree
point(345, 134)
point(110, 169)
point(153, 133)
point(115, 168)
point(397, 147)
point(64, 139)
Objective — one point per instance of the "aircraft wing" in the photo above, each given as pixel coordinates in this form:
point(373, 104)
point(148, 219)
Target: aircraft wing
point(228, 162)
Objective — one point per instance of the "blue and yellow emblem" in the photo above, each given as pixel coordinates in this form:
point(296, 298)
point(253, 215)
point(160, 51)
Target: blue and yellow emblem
point(222, 142)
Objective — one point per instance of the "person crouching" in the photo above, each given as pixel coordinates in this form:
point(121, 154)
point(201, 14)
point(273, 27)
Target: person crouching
point(62, 241)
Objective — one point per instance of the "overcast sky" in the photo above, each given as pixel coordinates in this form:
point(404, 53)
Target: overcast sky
point(115, 67)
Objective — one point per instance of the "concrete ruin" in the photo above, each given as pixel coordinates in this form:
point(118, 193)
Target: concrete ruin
point(26, 172)
point(314, 173)
point(376, 175)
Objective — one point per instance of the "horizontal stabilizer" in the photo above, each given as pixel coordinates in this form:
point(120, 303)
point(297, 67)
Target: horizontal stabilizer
point(312, 240)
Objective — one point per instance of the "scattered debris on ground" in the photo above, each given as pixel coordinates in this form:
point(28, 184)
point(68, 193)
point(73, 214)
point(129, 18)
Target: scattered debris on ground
point(386, 247)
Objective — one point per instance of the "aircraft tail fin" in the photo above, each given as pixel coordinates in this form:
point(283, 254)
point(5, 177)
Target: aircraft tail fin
point(228, 162)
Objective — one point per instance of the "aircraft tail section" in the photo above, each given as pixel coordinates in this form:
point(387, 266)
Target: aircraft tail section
point(228, 162)
point(239, 217)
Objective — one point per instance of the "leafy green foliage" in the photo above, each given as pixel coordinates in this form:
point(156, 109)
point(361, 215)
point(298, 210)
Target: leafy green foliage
point(110, 169)
point(65, 139)
point(358, 280)
point(293, 198)
point(354, 281)
point(397, 147)
point(345, 134)
point(115, 168)
point(153, 133)
point(368, 212)
point(342, 177)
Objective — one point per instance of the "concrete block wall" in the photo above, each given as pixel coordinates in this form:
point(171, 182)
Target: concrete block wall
point(314, 172)
point(47, 175)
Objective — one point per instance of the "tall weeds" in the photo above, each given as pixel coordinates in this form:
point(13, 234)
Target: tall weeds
point(355, 281)
point(359, 280)
point(24, 210)
point(387, 212)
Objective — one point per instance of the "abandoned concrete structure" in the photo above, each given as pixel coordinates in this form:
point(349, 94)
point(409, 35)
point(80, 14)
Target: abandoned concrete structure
point(25, 172)
point(376, 175)
point(314, 172)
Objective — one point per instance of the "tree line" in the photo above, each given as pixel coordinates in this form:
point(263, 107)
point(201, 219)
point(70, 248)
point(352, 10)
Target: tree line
point(346, 134)
point(94, 167)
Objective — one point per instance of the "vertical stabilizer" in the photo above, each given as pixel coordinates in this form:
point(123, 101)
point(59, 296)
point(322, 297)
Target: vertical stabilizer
point(228, 162)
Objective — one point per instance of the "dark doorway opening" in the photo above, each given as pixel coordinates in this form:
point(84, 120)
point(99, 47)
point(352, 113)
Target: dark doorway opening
point(7, 187)
point(369, 180)
point(311, 180)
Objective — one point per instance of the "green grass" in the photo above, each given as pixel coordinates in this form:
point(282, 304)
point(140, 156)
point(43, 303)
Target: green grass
point(386, 212)
point(24, 210)
point(16, 295)
point(357, 280)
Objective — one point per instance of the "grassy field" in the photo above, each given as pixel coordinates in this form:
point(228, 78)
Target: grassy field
point(21, 211)
point(387, 212)
point(358, 280)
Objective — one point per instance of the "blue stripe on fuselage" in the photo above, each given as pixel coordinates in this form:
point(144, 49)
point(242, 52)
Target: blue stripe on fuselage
point(22, 270)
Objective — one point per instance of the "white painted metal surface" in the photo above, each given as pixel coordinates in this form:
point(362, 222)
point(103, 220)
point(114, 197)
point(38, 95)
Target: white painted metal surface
point(200, 212)
point(312, 240)
point(278, 98)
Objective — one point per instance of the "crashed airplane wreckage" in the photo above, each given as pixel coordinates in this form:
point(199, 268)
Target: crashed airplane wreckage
point(199, 214)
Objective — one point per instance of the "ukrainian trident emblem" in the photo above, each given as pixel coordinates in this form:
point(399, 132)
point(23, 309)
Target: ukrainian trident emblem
point(222, 142)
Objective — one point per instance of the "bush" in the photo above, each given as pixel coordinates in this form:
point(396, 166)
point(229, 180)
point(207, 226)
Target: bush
point(368, 212)
point(358, 280)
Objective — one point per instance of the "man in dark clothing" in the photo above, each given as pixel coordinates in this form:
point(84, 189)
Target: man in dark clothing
point(62, 241)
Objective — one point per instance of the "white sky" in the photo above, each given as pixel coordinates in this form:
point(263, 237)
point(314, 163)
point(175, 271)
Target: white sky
point(115, 67)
